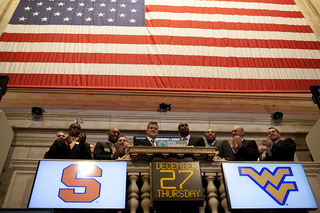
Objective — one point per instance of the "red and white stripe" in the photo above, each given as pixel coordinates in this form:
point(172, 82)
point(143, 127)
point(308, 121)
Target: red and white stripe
point(187, 45)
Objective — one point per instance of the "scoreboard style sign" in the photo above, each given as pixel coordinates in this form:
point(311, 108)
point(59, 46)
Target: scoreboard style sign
point(176, 183)
point(253, 186)
point(79, 185)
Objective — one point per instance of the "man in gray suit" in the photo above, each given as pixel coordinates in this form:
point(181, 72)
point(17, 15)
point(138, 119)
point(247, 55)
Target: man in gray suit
point(183, 129)
point(223, 147)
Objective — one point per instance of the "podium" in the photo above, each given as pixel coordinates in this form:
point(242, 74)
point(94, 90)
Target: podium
point(175, 176)
point(150, 152)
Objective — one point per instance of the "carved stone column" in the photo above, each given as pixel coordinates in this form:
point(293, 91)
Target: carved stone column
point(222, 191)
point(132, 193)
point(212, 195)
point(145, 192)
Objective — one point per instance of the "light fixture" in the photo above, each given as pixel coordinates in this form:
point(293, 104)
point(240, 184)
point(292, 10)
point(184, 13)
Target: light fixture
point(79, 120)
point(277, 116)
point(163, 107)
point(37, 112)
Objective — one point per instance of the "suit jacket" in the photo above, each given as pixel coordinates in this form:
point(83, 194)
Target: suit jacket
point(282, 151)
point(103, 151)
point(59, 150)
point(142, 142)
point(196, 141)
point(248, 151)
point(224, 149)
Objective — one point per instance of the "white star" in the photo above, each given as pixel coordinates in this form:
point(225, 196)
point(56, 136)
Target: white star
point(27, 8)
point(39, 3)
point(51, 0)
point(36, 14)
point(132, 20)
point(44, 19)
point(133, 1)
point(81, 4)
point(133, 10)
point(70, 9)
point(100, 14)
point(61, 4)
point(93, 0)
point(79, 14)
point(48, 8)
point(57, 14)
point(122, 15)
point(113, 0)
point(113, 10)
point(66, 19)
point(123, 5)
point(72, 0)
point(90, 9)
point(22, 18)
point(88, 19)
point(110, 20)
point(103, 5)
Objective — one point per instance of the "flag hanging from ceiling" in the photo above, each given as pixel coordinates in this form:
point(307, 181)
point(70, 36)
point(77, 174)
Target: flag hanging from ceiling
point(170, 45)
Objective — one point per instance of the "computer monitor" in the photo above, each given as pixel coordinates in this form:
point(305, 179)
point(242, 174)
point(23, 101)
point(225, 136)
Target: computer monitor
point(267, 186)
point(93, 185)
point(162, 138)
point(3, 85)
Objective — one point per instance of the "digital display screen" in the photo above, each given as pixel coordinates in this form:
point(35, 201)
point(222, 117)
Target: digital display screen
point(79, 185)
point(176, 182)
point(251, 186)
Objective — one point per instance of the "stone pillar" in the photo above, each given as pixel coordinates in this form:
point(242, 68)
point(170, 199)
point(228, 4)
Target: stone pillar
point(145, 192)
point(222, 191)
point(132, 193)
point(212, 195)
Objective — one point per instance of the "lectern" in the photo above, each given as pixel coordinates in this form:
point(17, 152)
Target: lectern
point(176, 181)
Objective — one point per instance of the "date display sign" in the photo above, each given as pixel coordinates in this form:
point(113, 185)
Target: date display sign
point(176, 183)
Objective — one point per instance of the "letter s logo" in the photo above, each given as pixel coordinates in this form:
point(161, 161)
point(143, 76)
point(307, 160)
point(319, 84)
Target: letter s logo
point(92, 187)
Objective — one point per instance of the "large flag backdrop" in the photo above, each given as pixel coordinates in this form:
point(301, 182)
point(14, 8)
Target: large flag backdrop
point(174, 45)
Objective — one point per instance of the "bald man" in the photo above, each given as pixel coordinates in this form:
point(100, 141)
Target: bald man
point(108, 150)
point(245, 150)
point(223, 147)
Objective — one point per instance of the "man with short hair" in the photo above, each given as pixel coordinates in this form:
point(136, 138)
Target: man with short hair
point(223, 148)
point(152, 132)
point(60, 135)
point(245, 150)
point(183, 129)
point(279, 150)
point(108, 150)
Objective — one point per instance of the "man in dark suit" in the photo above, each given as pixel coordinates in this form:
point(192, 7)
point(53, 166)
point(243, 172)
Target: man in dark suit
point(245, 150)
point(108, 150)
point(279, 150)
point(72, 147)
point(183, 129)
point(223, 148)
point(152, 132)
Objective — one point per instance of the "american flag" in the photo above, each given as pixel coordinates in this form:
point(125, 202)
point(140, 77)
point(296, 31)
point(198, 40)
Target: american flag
point(175, 45)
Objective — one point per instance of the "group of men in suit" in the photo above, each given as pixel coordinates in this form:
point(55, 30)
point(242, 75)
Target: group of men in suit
point(74, 145)
point(242, 149)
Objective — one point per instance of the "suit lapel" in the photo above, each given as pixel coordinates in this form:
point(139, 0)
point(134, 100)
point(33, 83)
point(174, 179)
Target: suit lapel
point(148, 142)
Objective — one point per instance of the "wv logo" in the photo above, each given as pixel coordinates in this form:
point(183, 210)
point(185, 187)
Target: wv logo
point(272, 182)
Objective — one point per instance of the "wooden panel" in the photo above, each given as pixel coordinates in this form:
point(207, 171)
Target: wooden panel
point(261, 103)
